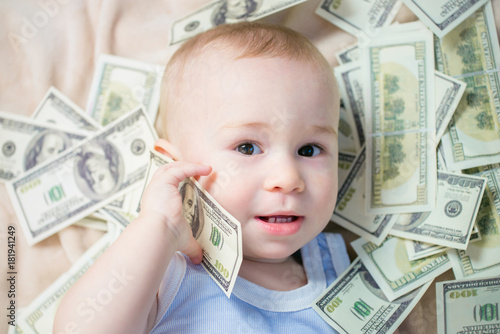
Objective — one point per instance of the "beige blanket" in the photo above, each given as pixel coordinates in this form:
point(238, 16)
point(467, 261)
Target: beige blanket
point(57, 42)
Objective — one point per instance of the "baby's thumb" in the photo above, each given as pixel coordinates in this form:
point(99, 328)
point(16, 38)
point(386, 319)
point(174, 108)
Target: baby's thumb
point(193, 251)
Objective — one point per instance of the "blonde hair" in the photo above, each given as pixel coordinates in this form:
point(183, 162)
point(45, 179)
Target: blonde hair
point(236, 41)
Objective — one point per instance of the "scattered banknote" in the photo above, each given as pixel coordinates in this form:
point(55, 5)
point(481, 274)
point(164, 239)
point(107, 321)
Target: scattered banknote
point(442, 16)
point(359, 17)
point(354, 303)
point(17, 328)
point(351, 93)
point(345, 162)
point(449, 91)
point(481, 258)
point(26, 143)
point(468, 306)
point(450, 223)
point(217, 232)
point(118, 217)
point(480, 169)
point(84, 178)
point(401, 148)
point(348, 55)
point(390, 267)
point(418, 249)
point(476, 234)
point(93, 222)
point(129, 202)
point(58, 109)
point(38, 317)
point(225, 11)
point(348, 139)
point(440, 159)
point(120, 85)
point(471, 53)
point(350, 199)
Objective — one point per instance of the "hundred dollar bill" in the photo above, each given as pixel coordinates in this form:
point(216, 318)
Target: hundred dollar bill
point(440, 159)
point(129, 202)
point(450, 223)
point(350, 199)
point(468, 306)
point(93, 222)
point(225, 11)
point(351, 92)
point(449, 91)
point(344, 164)
point(118, 217)
point(58, 109)
point(38, 317)
point(390, 267)
point(26, 143)
point(401, 148)
point(481, 258)
point(476, 234)
point(348, 140)
point(215, 229)
point(83, 179)
point(480, 169)
point(418, 250)
point(471, 53)
point(120, 85)
point(442, 16)
point(354, 303)
point(359, 17)
point(16, 329)
point(348, 55)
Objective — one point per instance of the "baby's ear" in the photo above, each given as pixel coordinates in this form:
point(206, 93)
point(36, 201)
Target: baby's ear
point(165, 147)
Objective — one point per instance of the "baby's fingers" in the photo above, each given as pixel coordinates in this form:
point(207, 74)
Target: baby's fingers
point(175, 172)
point(193, 250)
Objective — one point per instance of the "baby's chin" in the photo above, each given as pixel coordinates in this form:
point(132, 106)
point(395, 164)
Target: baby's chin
point(265, 260)
point(270, 256)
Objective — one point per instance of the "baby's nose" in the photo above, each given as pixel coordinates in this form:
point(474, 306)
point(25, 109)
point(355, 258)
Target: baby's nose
point(284, 175)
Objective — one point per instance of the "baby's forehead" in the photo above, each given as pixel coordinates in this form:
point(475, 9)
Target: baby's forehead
point(203, 71)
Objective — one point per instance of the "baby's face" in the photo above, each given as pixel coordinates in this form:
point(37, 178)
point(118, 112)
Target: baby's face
point(268, 128)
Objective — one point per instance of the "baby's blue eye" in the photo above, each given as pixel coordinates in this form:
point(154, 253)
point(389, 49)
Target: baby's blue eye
point(309, 150)
point(248, 149)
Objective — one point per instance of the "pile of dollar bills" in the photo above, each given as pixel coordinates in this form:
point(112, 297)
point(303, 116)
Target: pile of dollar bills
point(419, 176)
point(419, 154)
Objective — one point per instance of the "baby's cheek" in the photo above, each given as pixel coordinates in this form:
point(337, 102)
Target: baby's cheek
point(328, 189)
point(234, 193)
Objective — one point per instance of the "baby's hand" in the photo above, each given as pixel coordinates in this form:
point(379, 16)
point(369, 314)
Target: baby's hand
point(162, 202)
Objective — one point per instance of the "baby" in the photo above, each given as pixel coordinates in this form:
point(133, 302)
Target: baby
point(262, 100)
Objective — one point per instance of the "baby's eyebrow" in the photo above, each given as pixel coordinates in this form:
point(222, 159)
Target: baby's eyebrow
point(321, 129)
point(324, 129)
point(245, 125)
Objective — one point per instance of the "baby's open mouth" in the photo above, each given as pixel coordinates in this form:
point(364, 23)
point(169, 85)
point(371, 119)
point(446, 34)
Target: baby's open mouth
point(278, 219)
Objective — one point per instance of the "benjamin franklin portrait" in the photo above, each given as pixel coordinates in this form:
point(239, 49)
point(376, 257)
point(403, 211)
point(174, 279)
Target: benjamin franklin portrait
point(98, 169)
point(45, 145)
point(235, 10)
point(191, 208)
